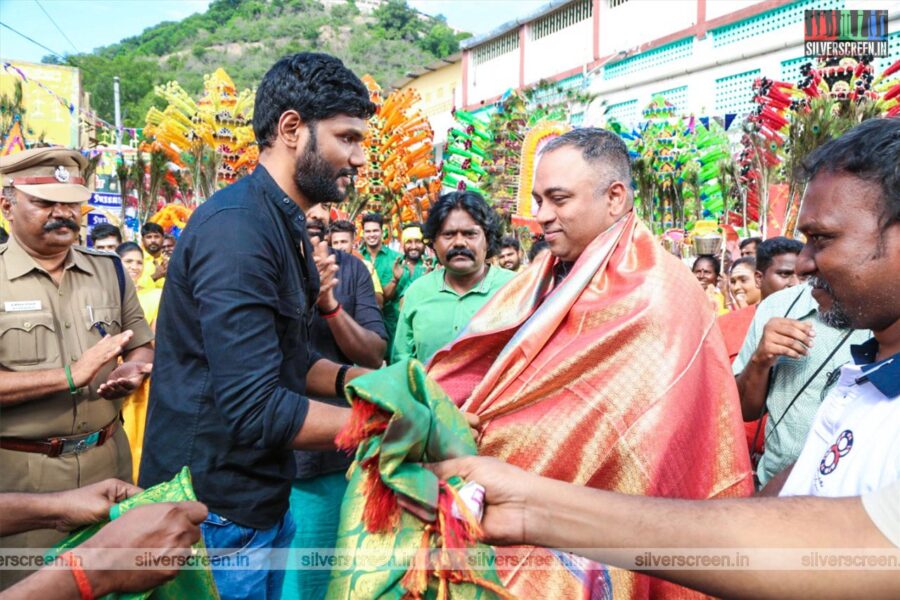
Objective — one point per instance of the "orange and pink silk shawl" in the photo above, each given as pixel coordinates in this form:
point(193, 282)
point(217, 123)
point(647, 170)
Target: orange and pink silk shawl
point(615, 379)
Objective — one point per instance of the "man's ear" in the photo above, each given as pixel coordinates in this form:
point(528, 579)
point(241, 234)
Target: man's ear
point(6, 208)
point(292, 130)
point(758, 277)
point(618, 199)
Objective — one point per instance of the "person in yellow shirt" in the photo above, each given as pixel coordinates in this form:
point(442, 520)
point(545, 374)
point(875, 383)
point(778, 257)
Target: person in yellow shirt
point(155, 262)
point(134, 409)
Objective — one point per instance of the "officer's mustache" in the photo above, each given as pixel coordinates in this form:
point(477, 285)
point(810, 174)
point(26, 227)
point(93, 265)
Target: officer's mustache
point(454, 252)
point(60, 223)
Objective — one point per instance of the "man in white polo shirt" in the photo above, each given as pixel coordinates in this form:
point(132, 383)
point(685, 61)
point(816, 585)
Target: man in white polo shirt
point(851, 219)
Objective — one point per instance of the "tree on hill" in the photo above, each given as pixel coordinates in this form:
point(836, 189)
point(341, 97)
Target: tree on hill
point(245, 37)
point(398, 21)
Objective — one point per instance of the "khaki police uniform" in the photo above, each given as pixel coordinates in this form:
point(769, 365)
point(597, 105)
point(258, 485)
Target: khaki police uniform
point(44, 326)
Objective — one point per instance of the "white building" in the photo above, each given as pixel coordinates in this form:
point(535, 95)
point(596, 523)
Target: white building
point(702, 55)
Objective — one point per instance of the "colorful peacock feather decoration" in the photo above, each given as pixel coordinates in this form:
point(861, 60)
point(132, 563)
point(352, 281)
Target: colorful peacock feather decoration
point(399, 176)
point(790, 121)
point(211, 137)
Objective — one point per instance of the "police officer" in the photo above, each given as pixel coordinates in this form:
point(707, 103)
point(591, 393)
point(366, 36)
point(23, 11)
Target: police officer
point(66, 314)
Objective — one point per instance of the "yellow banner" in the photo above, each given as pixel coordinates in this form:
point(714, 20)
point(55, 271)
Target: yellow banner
point(44, 111)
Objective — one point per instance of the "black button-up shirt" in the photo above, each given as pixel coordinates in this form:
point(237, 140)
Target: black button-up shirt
point(229, 375)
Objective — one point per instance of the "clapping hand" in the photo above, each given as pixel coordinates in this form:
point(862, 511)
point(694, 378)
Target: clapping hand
point(328, 281)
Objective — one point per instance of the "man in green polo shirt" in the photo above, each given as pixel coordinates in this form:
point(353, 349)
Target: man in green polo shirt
point(464, 232)
point(412, 265)
point(383, 259)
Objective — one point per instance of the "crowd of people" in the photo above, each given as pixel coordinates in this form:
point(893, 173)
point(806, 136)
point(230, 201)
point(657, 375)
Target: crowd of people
point(620, 398)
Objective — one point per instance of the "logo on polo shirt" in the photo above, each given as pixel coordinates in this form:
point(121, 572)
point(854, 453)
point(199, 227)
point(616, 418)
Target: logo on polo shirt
point(836, 452)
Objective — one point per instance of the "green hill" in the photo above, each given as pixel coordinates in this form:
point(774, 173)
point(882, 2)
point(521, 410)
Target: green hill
point(246, 37)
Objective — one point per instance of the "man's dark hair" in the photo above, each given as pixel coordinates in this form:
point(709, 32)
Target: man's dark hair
point(601, 148)
point(510, 242)
point(750, 261)
point(536, 248)
point(373, 217)
point(471, 202)
point(169, 236)
point(748, 241)
point(717, 266)
point(152, 228)
point(123, 249)
point(776, 246)
point(343, 226)
point(104, 230)
point(317, 86)
point(870, 151)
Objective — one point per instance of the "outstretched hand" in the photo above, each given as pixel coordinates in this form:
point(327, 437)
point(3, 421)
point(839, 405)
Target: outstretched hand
point(124, 379)
point(507, 489)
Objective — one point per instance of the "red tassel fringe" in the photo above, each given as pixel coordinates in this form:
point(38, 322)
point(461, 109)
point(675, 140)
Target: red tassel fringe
point(382, 511)
point(366, 420)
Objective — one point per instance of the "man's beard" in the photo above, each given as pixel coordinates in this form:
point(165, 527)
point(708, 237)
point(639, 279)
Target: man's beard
point(316, 178)
point(413, 255)
point(316, 228)
point(837, 316)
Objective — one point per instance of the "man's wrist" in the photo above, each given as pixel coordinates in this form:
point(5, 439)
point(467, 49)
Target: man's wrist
point(760, 363)
point(52, 508)
point(540, 515)
point(354, 372)
point(340, 380)
point(40, 511)
point(102, 576)
point(327, 303)
point(328, 307)
point(78, 377)
point(329, 310)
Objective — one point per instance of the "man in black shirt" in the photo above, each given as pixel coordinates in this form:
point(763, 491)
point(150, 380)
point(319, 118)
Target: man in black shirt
point(347, 326)
point(234, 362)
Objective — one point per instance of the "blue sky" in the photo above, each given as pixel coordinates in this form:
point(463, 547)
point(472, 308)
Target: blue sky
point(88, 24)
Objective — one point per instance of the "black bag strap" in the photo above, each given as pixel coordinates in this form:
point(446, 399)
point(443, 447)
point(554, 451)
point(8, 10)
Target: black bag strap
point(764, 409)
point(808, 381)
point(794, 303)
